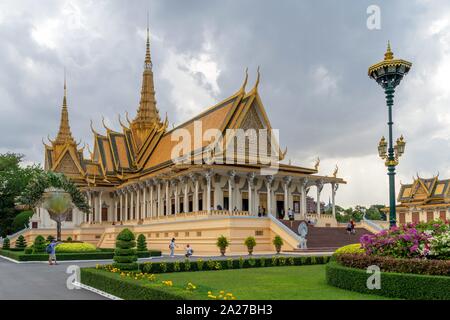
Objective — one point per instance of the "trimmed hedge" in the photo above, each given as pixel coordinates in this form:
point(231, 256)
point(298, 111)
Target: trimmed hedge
point(240, 263)
point(393, 285)
point(129, 289)
point(98, 255)
point(69, 247)
point(390, 264)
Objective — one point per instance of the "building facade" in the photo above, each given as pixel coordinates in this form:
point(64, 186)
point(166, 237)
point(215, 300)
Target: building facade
point(424, 200)
point(133, 178)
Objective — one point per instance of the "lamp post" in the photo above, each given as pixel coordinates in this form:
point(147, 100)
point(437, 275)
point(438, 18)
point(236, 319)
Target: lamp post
point(388, 74)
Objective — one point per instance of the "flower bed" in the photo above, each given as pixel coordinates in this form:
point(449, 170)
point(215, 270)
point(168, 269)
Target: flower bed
point(129, 289)
point(423, 240)
point(395, 285)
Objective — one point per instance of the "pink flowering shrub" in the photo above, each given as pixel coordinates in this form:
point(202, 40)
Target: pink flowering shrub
point(409, 241)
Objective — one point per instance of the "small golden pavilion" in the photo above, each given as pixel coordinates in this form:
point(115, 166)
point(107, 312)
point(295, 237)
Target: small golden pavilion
point(424, 200)
point(131, 179)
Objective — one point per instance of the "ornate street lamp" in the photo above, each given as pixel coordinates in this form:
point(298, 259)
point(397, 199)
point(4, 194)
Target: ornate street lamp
point(388, 74)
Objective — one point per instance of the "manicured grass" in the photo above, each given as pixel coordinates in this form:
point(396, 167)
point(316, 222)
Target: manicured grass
point(278, 283)
point(287, 283)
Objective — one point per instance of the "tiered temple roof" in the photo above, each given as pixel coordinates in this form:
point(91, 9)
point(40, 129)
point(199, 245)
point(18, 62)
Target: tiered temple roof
point(425, 191)
point(145, 145)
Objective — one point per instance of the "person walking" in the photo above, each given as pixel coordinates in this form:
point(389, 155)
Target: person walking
point(172, 246)
point(290, 214)
point(51, 250)
point(349, 227)
point(352, 227)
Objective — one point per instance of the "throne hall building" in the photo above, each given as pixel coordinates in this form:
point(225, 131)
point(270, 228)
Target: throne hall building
point(131, 180)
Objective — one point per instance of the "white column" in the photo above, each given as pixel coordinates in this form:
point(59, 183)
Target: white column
point(126, 204)
point(196, 195)
point(159, 204)
point(91, 215)
point(303, 185)
point(177, 198)
point(319, 190)
point(287, 181)
point(132, 216)
point(168, 206)
point(121, 205)
point(230, 194)
point(144, 204)
point(186, 197)
point(250, 198)
point(208, 175)
point(100, 206)
point(116, 204)
point(151, 201)
point(334, 187)
point(138, 202)
point(269, 180)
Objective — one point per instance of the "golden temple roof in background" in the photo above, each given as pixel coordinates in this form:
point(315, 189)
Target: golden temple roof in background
point(144, 145)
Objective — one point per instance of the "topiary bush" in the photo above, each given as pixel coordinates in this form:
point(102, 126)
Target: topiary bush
point(69, 239)
point(39, 244)
point(141, 243)
point(21, 243)
point(125, 253)
point(6, 244)
point(50, 238)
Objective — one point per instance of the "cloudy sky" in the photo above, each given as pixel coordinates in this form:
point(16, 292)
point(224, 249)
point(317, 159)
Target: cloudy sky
point(313, 55)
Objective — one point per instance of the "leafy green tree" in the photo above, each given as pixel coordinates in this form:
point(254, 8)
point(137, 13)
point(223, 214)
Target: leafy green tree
point(21, 220)
point(141, 243)
point(33, 193)
point(125, 253)
point(21, 243)
point(14, 178)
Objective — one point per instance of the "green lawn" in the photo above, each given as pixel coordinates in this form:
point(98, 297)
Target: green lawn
point(294, 283)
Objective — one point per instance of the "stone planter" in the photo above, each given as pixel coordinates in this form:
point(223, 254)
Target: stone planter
point(222, 251)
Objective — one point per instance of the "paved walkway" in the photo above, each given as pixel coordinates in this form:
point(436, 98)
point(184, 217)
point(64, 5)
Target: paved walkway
point(38, 280)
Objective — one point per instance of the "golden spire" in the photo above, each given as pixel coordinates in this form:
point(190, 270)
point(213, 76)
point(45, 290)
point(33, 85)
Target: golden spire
point(64, 135)
point(389, 55)
point(147, 113)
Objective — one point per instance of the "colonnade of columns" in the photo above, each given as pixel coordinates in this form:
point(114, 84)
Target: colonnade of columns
point(205, 191)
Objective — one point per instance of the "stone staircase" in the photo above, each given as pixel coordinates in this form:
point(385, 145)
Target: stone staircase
point(326, 239)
